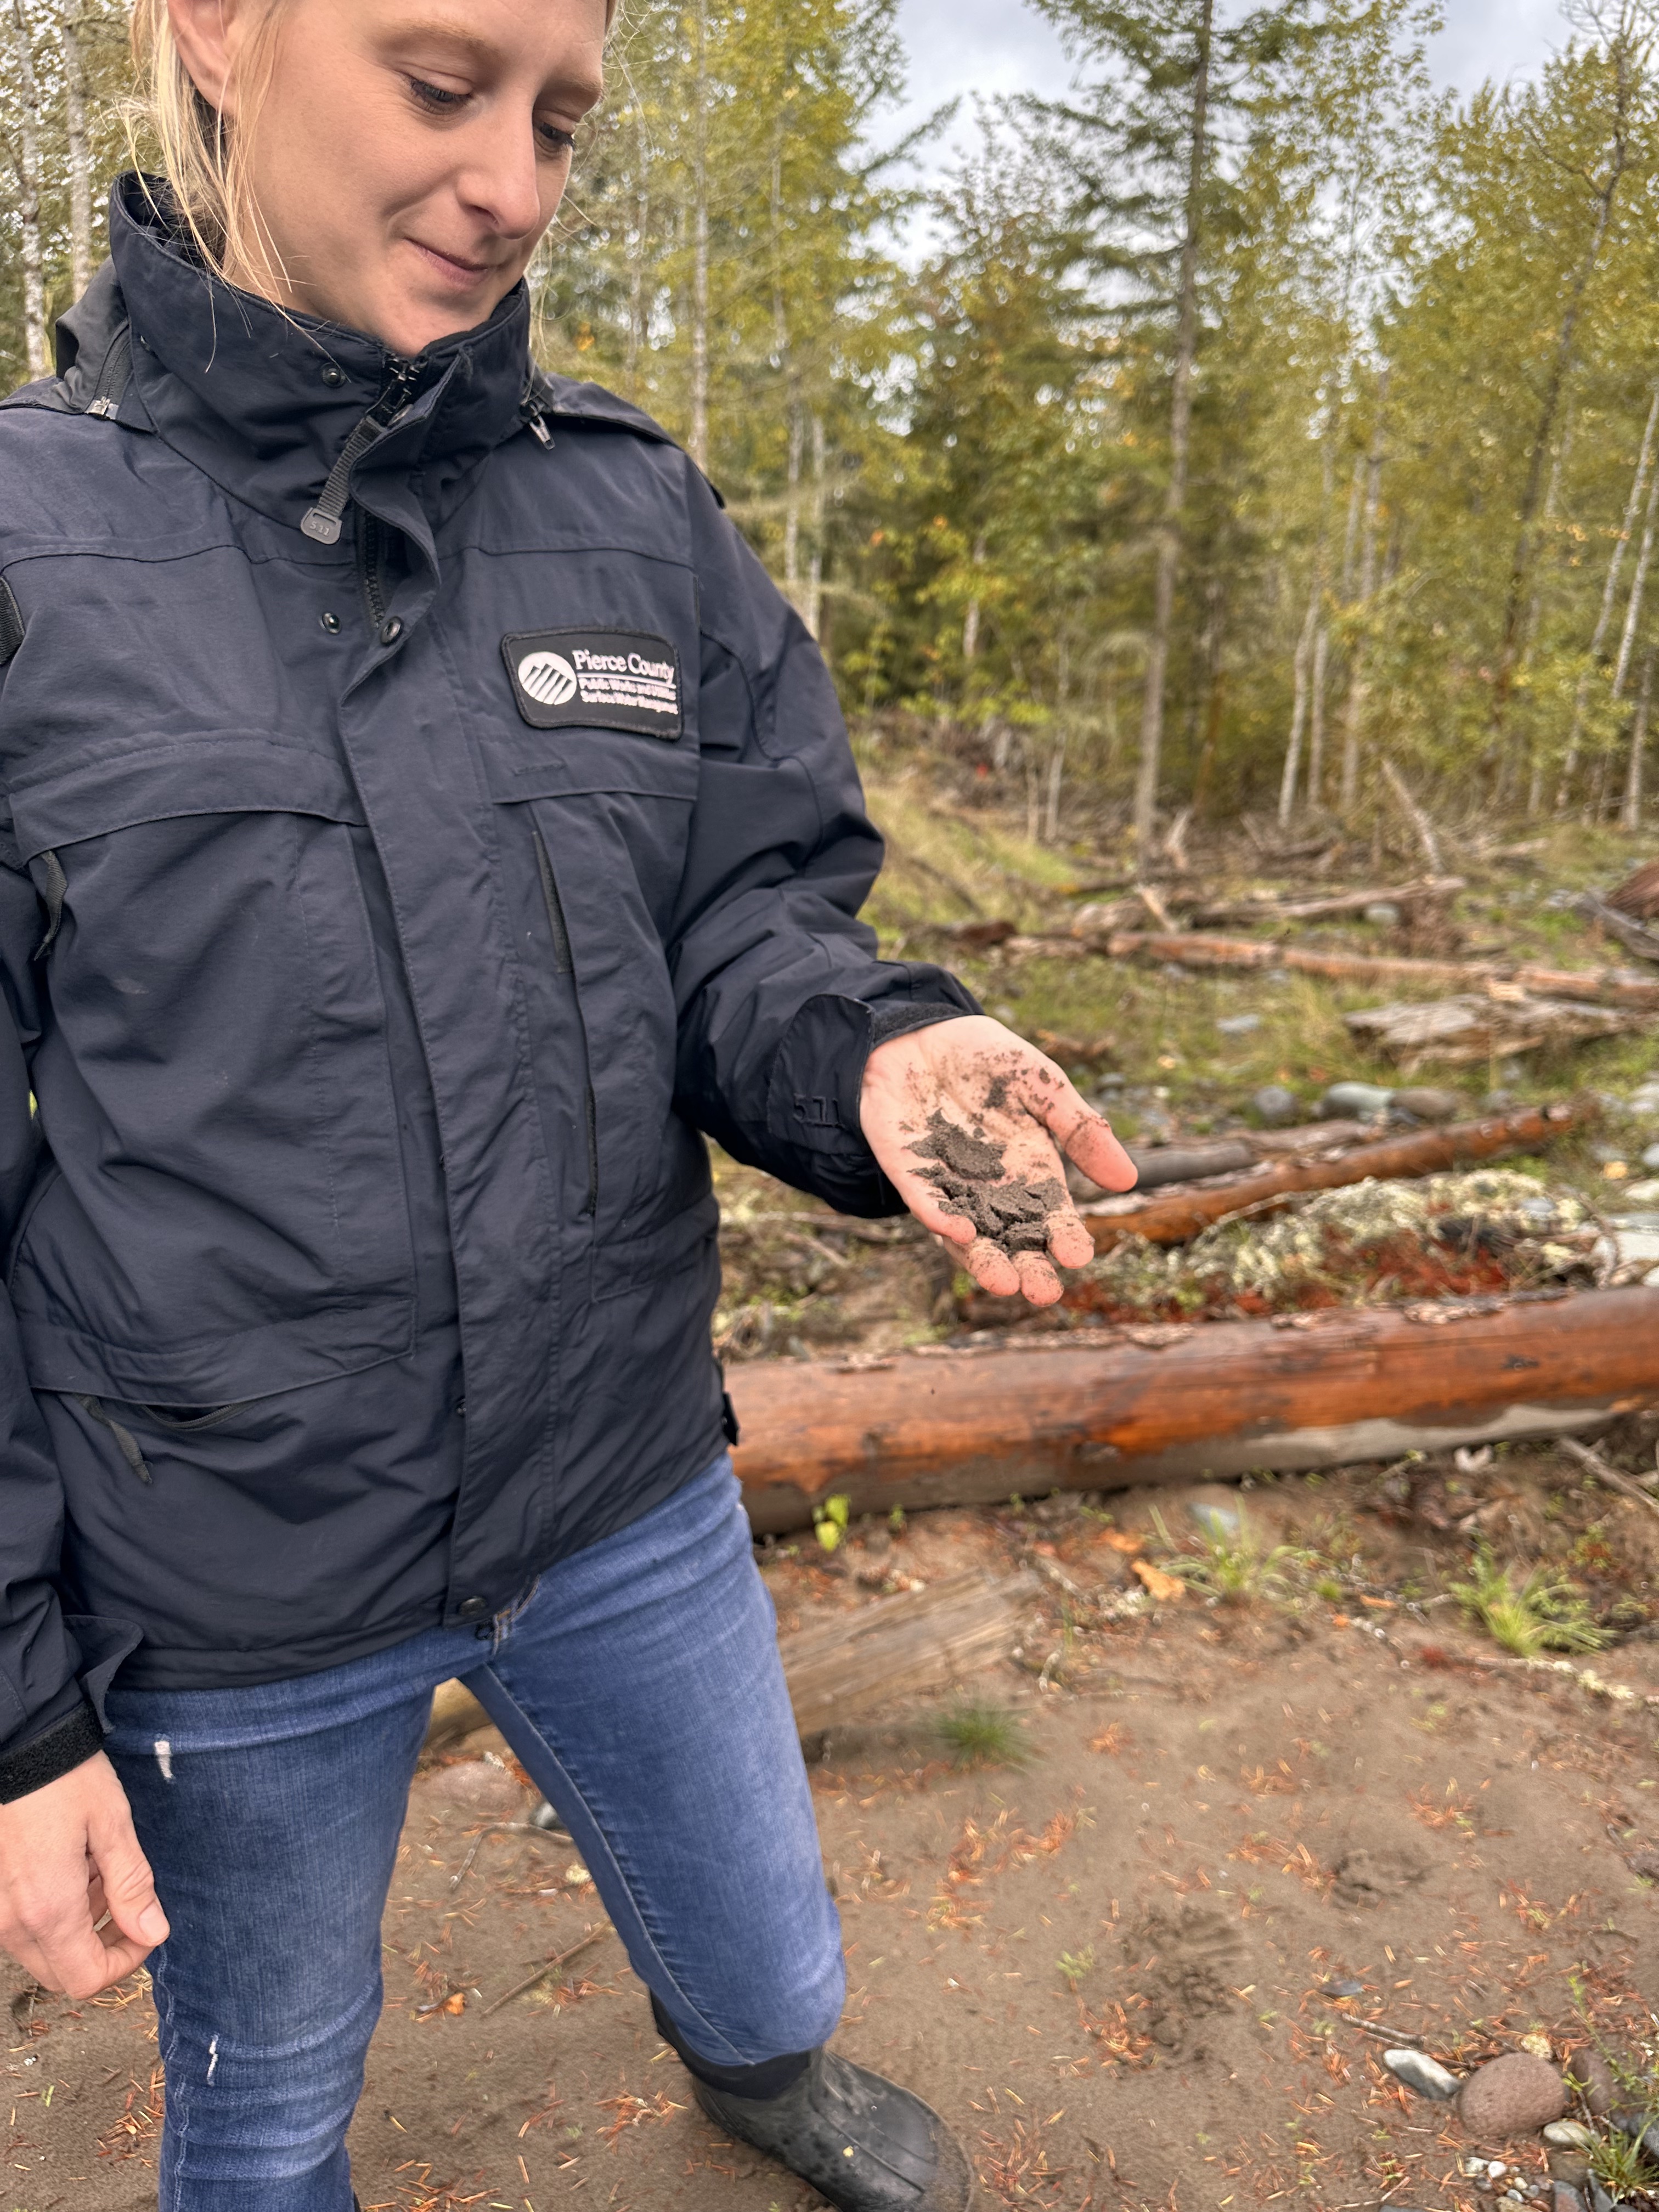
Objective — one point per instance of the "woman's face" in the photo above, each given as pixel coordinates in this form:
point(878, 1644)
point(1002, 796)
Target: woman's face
point(408, 155)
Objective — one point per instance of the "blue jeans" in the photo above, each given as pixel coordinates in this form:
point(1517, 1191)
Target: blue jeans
point(640, 1687)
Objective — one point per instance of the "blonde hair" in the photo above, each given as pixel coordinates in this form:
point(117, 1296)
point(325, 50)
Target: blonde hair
point(204, 161)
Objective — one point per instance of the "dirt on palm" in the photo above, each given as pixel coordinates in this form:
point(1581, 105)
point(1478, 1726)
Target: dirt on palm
point(971, 1176)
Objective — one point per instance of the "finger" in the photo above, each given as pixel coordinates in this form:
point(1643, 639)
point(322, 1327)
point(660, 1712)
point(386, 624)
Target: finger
point(129, 1886)
point(1082, 1135)
point(992, 1269)
point(1037, 1279)
point(1069, 1240)
point(65, 1954)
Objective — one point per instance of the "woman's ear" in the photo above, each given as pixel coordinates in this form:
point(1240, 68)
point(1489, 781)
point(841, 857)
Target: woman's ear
point(209, 34)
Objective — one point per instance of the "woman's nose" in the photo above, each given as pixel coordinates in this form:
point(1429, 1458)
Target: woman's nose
point(503, 178)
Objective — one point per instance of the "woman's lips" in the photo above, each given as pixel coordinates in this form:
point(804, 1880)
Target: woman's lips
point(461, 275)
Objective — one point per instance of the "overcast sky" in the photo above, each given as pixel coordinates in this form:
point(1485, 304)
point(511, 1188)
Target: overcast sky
point(966, 47)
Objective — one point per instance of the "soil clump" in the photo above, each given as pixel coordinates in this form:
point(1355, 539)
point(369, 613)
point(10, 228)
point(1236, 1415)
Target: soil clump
point(970, 1175)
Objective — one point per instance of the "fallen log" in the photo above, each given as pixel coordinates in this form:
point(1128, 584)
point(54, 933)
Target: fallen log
point(1461, 1031)
point(1112, 1409)
point(1155, 1165)
point(901, 1648)
point(1617, 986)
point(1274, 907)
point(1177, 1215)
point(1630, 932)
point(892, 1650)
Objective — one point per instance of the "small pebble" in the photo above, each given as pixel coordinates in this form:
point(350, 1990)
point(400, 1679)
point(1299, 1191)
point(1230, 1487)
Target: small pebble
point(1349, 1988)
point(1645, 1192)
point(1275, 1105)
point(1383, 914)
point(1564, 2197)
point(1424, 2075)
point(1651, 1158)
point(1238, 1025)
point(1570, 2135)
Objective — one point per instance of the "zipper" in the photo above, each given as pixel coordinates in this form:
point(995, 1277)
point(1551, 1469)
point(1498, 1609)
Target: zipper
point(563, 965)
point(323, 521)
point(371, 561)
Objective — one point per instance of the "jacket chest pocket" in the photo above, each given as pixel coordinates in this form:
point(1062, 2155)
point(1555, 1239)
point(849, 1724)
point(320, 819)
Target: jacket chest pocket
point(228, 1216)
point(611, 815)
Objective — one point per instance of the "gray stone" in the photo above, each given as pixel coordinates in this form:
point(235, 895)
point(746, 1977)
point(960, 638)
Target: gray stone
point(1238, 1025)
point(1570, 2135)
point(1383, 914)
point(1348, 1988)
point(1514, 2095)
point(1354, 1101)
point(1424, 1104)
point(1594, 2078)
point(1419, 2072)
point(1600, 2200)
point(1275, 1105)
point(1564, 2197)
point(1651, 1158)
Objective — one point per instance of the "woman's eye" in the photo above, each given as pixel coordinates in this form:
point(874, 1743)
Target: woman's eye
point(554, 140)
point(435, 97)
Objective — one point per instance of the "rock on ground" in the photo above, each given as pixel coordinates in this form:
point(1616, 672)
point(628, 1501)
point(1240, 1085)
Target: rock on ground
point(1514, 2095)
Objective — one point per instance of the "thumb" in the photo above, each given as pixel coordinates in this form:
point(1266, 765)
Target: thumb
point(129, 1885)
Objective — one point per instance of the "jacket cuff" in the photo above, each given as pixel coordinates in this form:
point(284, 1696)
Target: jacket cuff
point(66, 1745)
point(895, 1018)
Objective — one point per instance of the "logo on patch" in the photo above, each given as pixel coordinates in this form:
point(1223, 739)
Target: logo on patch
point(606, 679)
point(547, 677)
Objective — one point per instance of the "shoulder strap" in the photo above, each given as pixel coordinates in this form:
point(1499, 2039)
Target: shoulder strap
point(11, 623)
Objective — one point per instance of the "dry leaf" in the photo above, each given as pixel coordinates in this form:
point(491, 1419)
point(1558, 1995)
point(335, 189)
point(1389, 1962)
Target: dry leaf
point(1120, 1540)
point(1165, 1589)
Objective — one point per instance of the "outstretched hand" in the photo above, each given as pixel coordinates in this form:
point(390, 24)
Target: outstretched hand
point(968, 1122)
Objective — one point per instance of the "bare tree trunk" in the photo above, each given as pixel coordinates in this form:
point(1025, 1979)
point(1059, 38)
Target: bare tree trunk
point(1609, 594)
point(812, 612)
point(1630, 75)
point(971, 619)
point(1353, 711)
point(1322, 656)
point(699, 440)
point(1638, 584)
point(1181, 419)
point(1534, 621)
point(28, 196)
point(79, 156)
point(638, 248)
point(1631, 815)
point(1298, 707)
point(791, 500)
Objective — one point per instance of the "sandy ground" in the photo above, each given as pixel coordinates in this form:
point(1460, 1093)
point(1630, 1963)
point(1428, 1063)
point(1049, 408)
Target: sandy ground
point(1105, 1965)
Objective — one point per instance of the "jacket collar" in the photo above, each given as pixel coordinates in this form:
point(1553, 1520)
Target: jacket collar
point(265, 401)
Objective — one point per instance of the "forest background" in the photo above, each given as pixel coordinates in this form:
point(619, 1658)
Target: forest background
point(1256, 427)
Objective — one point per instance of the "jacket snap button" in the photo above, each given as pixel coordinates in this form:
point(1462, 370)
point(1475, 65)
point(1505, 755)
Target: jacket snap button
point(334, 377)
point(331, 624)
point(391, 631)
point(472, 1609)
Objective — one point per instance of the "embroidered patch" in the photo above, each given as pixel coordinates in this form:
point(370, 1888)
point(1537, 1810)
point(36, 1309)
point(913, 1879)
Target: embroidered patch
point(606, 679)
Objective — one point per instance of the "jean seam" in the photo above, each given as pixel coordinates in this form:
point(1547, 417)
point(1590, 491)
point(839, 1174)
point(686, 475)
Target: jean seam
point(694, 2011)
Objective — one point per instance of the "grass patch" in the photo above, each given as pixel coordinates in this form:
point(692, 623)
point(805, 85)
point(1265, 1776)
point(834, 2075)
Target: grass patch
point(982, 1735)
point(1232, 1568)
point(1546, 1612)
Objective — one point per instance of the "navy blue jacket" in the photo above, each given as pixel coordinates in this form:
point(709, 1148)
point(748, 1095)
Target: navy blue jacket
point(420, 818)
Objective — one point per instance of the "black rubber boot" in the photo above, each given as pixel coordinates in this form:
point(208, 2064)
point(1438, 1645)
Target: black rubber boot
point(862, 2141)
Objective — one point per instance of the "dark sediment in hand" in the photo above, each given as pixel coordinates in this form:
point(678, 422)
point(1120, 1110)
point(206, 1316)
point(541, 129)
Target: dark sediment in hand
point(971, 1178)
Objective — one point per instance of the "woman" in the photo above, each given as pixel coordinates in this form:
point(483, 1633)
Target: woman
point(422, 819)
